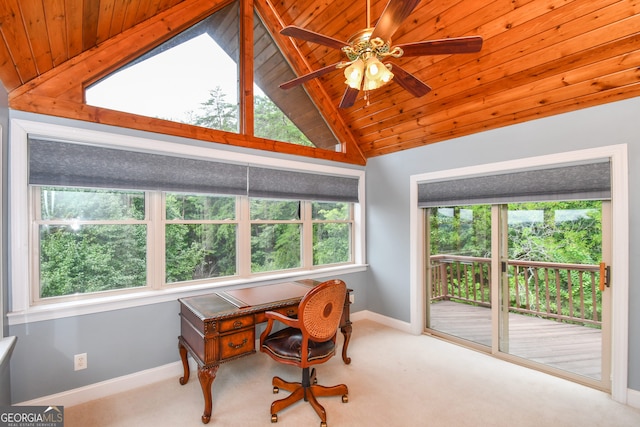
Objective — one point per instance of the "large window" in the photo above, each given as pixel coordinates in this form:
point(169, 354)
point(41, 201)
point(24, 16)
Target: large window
point(93, 240)
point(103, 221)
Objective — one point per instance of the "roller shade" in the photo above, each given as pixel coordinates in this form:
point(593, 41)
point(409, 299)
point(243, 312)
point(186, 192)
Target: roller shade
point(585, 181)
point(284, 184)
point(76, 165)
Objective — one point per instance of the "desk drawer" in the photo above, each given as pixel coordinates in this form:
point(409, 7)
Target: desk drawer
point(236, 344)
point(235, 323)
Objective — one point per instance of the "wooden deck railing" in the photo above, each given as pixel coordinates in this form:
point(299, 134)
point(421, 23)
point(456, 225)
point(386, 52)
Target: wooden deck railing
point(565, 292)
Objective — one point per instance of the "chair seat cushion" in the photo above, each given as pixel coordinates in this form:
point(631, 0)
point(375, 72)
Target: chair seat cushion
point(287, 344)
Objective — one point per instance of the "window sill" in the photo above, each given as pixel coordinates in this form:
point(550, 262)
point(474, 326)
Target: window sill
point(118, 302)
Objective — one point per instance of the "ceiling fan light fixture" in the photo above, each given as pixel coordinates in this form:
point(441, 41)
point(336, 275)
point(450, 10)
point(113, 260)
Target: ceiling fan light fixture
point(354, 74)
point(376, 74)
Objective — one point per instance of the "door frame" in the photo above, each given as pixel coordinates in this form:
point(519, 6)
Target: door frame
point(619, 241)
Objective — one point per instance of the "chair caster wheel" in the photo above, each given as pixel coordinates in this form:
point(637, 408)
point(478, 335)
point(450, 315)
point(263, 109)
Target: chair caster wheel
point(345, 398)
point(274, 418)
point(275, 390)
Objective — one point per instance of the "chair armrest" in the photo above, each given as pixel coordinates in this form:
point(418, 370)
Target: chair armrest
point(289, 321)
point(273, 316)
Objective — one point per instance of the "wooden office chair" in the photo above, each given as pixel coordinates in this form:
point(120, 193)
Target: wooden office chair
point(308, 340)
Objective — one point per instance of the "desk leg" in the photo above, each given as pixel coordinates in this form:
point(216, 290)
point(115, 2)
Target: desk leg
point(185, 363)
point(346, 331)
point(206, 375)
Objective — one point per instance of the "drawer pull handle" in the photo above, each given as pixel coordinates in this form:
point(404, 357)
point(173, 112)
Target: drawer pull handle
point(237, 346)
point(237, 324)
point(291, 312)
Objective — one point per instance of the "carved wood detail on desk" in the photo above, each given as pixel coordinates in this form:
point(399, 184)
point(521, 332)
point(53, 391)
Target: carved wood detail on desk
point(215, 331)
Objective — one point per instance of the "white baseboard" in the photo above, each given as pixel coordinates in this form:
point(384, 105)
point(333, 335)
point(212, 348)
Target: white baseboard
point(383, 320)
point(633, 398)
point(110, 387)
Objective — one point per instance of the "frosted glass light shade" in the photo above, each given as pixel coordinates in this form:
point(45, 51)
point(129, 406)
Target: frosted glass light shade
point(354, 73)
point(376, 74)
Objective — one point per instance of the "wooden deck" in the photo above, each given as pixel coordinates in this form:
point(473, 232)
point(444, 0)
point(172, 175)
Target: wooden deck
point(568, 347)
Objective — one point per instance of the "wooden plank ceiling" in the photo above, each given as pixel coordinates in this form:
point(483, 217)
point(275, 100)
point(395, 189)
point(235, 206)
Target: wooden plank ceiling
point(539, 58)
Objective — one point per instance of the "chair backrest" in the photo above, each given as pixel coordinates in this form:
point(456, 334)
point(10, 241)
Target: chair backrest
point(320, 310)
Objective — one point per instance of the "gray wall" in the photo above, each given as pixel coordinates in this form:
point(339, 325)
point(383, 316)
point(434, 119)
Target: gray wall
point(388, 195)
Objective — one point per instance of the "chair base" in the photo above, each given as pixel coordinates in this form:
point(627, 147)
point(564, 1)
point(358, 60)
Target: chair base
point(308, 390)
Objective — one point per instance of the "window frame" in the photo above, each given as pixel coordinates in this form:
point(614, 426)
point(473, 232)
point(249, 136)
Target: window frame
point(23, 311)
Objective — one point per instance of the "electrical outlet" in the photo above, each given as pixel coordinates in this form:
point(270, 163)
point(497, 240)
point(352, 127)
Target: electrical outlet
point(80, 361)
point(352, 298)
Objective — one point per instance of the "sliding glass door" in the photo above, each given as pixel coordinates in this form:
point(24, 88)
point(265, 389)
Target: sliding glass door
point(523, 280)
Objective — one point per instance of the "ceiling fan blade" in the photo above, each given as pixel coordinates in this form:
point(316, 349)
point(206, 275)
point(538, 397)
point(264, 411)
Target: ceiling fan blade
point(409, 82)
point(312, 75)
point(310, 36)
point(349, 97)
point(392, 17)
point(468, 44)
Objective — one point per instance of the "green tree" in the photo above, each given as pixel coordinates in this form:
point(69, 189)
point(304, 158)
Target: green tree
point(217, 113)
point(275, 246)
point(461, 230)
point(576, 239)
point(199, 251)
point(79, 257)
point(331, 241)
point(271, 123)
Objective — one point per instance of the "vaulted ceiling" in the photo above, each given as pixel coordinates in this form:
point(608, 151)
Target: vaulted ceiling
point(539, 58)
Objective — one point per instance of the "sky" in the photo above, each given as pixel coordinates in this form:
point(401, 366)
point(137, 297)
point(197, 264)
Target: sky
point(170, 84)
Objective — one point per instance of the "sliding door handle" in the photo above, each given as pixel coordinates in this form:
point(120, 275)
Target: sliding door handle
point(604, 276)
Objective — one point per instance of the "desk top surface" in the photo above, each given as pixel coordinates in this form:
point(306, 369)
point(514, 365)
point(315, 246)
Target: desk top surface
point(221, 304)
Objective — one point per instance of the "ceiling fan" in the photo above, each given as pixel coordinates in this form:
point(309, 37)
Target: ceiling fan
point(367, 48)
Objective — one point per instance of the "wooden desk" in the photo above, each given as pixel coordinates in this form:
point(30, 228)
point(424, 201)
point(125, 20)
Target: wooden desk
point(220, 327)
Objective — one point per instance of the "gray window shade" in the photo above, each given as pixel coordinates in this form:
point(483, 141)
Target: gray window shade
point(68, 164)
point(590, 181)
point(282, 184)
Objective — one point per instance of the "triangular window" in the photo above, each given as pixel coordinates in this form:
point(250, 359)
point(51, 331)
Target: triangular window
point(193, 78)
point(181, 78)
point(289, 116)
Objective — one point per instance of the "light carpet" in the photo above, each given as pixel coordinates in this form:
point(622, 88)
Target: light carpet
point(395, 379)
